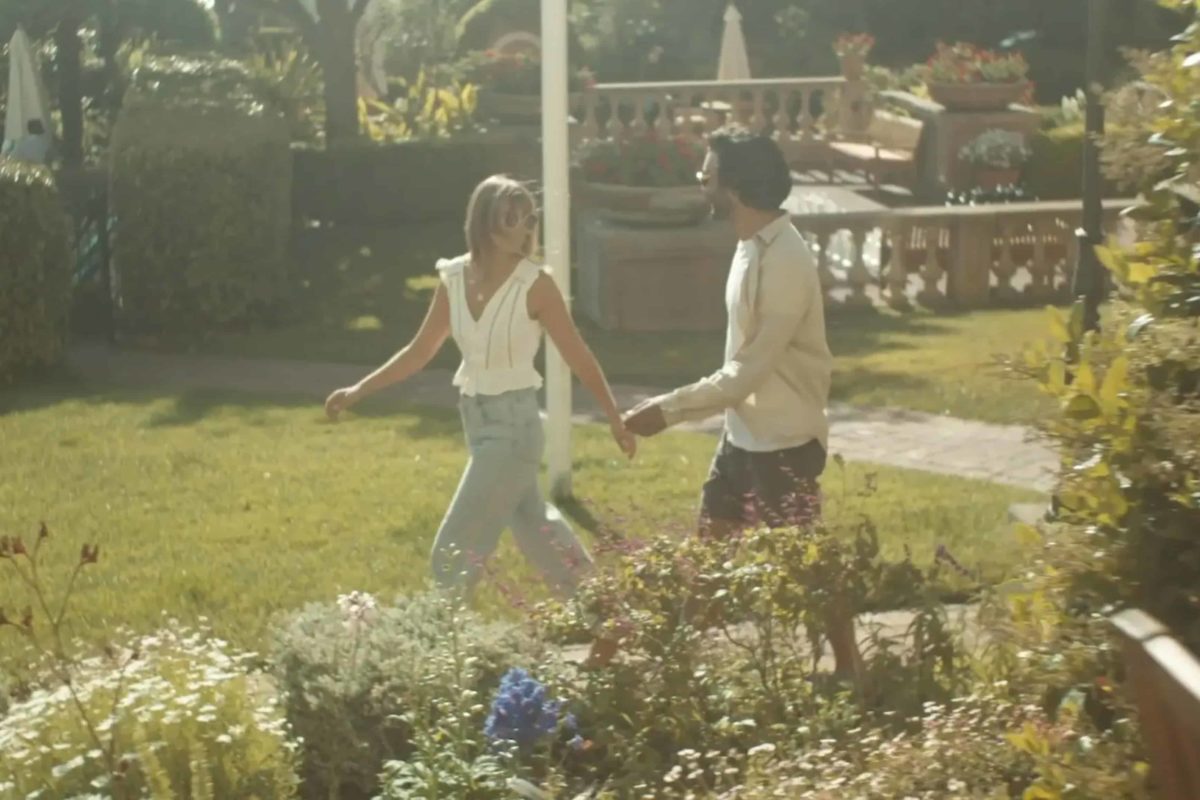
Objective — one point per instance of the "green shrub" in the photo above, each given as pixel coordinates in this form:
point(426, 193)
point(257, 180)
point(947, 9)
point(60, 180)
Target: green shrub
point(365, 183)
point(1128, 532)
point(201, 183)
point(35, 284)
point(1054, 170)
point(191, 721)
point(717, 653)
point(357, 679)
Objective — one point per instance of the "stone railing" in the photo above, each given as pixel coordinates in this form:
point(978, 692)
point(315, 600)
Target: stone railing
point(789, 108)
point(943, 257)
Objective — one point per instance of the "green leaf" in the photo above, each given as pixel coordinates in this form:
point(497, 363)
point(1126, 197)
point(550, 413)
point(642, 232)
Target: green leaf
point(1138, 325)
point(1081, 407)
point(1059, 326)
point(1116, 381)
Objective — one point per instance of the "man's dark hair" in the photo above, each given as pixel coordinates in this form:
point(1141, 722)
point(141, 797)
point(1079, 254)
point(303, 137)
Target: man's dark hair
point(35, 127)
point(751, 166)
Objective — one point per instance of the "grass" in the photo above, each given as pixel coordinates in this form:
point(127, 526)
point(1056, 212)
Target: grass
point(359, 295)
point(239, 508)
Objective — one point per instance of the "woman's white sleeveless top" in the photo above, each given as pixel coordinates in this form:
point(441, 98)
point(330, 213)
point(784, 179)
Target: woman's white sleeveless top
point(499, 348)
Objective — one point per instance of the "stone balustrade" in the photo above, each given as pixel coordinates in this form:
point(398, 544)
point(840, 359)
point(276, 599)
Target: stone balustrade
point(789, 108)
point(949, 257)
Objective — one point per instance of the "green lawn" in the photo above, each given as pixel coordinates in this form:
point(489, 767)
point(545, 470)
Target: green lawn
point(360, 295)
point(238, 508)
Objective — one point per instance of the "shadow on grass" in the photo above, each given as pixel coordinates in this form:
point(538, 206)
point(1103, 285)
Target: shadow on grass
point(194, 406)
point(859, 381)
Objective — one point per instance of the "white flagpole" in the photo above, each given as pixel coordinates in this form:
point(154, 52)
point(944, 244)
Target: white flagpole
point(557, 223)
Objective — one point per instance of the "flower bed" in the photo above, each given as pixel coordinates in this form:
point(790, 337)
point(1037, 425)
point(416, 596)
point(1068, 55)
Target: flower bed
point(852, 50)
point(647, 179)
point(964, 77)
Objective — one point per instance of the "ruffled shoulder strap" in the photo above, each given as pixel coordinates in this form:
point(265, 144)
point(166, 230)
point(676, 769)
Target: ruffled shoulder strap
point(448, 268)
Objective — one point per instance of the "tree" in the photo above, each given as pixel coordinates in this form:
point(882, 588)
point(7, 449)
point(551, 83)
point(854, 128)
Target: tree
point(329, 28)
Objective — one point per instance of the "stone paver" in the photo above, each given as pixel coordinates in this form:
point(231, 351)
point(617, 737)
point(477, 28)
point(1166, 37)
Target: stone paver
point(1004, 454)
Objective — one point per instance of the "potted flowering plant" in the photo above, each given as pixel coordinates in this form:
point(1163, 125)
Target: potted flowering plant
point(852, 50)
point(996, 157)
point(963, 77)
point(646, 179)
point(511, 83)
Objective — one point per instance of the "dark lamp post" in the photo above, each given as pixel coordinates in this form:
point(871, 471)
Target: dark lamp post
point(1090, 281)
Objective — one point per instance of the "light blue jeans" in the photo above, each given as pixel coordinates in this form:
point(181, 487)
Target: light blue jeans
point(499, 489)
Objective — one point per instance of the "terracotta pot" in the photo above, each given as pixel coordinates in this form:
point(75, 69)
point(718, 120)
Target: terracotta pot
point(645, 205)
point(976, 96)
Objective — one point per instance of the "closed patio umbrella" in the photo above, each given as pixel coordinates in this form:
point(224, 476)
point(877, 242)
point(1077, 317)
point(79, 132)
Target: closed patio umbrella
point(734, 64)
point(27, 101)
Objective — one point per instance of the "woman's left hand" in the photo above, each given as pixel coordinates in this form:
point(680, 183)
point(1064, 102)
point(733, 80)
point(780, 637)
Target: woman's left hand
point(624, 439)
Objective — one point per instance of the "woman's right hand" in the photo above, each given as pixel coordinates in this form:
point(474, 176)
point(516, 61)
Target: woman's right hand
point(340, 401)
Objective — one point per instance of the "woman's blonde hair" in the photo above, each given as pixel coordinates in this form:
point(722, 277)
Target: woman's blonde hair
point(499, 203)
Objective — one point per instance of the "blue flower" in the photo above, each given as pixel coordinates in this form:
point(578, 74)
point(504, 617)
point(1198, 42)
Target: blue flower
point(520, 711)
point(576, 743)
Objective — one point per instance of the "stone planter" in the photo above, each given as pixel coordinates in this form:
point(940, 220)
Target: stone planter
point(853, 66)
point(653, 206)
point(993, 177)
point(976, 96)
point(516, 108)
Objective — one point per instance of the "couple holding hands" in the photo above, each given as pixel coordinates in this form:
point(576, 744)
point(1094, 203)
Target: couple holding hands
point(772, 388)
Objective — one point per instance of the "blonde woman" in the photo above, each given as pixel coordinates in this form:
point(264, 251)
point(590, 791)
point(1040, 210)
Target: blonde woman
point(496, 302)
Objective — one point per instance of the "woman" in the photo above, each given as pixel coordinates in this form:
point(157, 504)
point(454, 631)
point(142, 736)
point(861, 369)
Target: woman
point(496, 303)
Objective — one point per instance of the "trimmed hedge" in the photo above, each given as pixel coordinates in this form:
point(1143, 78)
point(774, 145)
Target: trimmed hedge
point(35, 280)
point(1055, 167)
point(411, 181)
point(201, 189)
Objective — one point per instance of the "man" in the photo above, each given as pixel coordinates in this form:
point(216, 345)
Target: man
point(774, 385)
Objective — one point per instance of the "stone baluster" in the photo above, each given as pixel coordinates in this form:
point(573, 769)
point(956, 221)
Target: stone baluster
point(783, 122)
point(1005, 267)
point(932, 270)
point(664, 124)
point(638, 124)
point(895, 274)
point(591, 122)
point(824, 239)
point(1041, 271)
point(859, 276)
point(804, 120)
point(616, 128)
point(758, 120)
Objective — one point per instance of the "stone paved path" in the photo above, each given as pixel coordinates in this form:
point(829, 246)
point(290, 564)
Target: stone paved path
point(1003, 454)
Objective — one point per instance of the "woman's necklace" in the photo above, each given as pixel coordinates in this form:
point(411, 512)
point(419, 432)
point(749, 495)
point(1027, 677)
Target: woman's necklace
point(476, 283)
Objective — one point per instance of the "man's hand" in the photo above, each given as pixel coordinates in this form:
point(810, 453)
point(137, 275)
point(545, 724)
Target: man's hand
point(647, 419)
